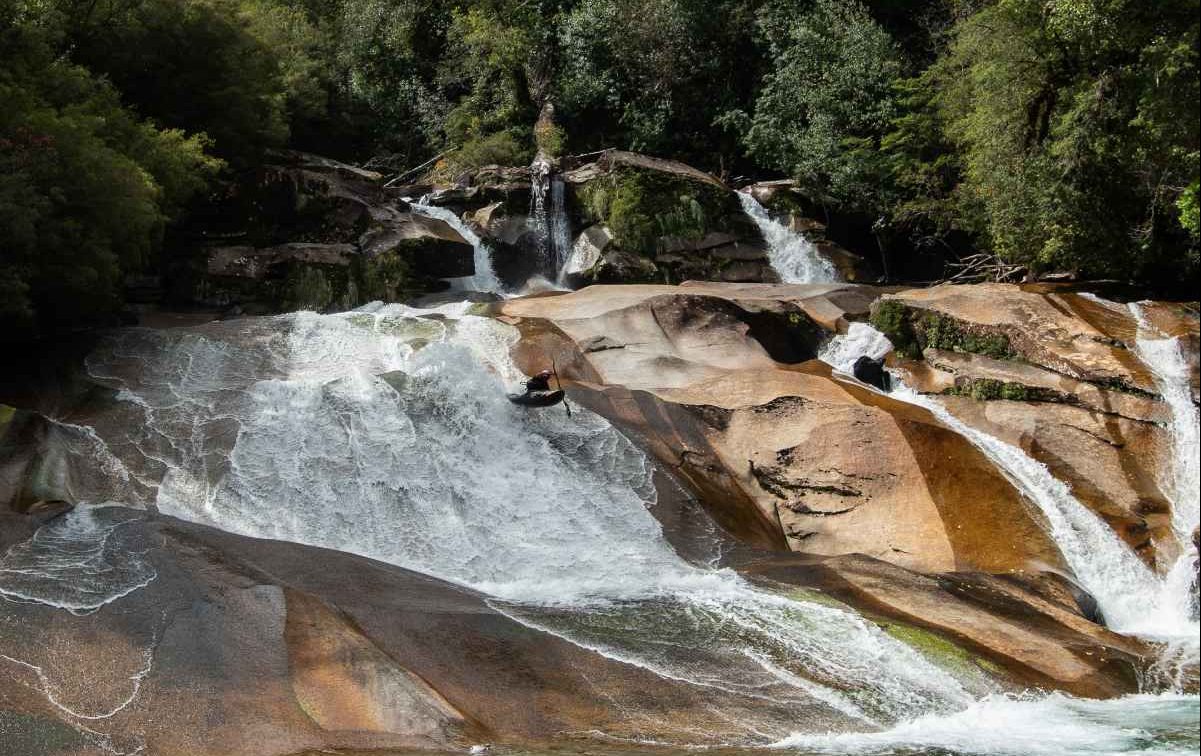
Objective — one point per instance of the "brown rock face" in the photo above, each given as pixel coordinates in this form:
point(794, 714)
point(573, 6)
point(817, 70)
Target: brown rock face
point(1066, 333)
point(1030, 626)
point(1057, 374)
point(781, 451)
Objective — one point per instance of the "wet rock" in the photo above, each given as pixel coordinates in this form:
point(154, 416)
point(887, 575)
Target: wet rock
point(1019, 625)
point(272, 648)
point(313, 233)
point(1063, 332)
point(784, 455)
point(872, 372)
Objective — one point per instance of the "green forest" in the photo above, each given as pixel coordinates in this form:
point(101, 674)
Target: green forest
point(1056, 134)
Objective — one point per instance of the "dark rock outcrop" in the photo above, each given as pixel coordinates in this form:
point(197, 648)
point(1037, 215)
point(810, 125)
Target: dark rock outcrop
point(307, 232)
point(872, 372)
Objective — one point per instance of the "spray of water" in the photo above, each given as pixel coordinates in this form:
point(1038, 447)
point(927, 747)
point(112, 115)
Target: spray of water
point(793, 257)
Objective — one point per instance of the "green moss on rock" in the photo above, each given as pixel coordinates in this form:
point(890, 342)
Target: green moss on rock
point(642, 207)
point(941, 332)
point(386, 277)
point(891, 318)
point(939, 650)
point(990, 389)
point(912, 330)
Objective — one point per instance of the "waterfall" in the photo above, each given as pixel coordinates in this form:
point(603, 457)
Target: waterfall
point(1132, 597)
point(560, 227)
point(484, 278)
point(1166, 360)
point(551, 226)
point(793, 257)
point(538, 221)
point(386, 432)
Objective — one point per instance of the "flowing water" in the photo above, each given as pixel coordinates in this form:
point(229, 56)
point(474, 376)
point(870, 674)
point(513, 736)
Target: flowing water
point(793, 257)
point(385, 432)
point(1133, 599)
point(549, 225)
point(560, 225)
point(304, 427)
point(484, 278)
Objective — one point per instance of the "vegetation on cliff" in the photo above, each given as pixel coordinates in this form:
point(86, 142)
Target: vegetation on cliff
point(1055, 134)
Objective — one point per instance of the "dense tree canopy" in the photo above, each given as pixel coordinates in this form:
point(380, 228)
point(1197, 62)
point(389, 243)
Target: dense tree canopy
point(1056, 134)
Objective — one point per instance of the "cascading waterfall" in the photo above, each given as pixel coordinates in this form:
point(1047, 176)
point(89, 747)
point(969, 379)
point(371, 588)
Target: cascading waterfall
point(1165, 358)
point(538, 223)
point(793, 257)
point(1132, 597)
point(551, 227)
point(560, 225)
point(385, 432)
point(484, 278)
point(388, 417)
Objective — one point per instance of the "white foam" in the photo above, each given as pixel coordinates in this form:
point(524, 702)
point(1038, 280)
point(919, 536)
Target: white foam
point(1051, 725)
point(386, 432)
point(793, 257)
point(860, 340)
point(73, 563)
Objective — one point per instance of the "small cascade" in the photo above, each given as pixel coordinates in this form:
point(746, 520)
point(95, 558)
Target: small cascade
point(538, 220)
point(1133, 598)
point(560, 226)
point(793, 257)
point(548, 220)
point(484, 278)
point(1166, 360)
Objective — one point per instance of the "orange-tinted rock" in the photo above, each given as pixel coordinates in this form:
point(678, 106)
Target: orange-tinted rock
point(779, 453)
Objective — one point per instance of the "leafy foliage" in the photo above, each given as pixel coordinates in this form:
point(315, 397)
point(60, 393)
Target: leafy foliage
point(85, 186)
point(1056, 134)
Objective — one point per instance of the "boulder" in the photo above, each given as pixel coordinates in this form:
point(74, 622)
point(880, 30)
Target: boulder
point(307, 232)
point(872, 372)
point(682, 223)
point(586, 253)
point(1063, 332)
point(720, 386)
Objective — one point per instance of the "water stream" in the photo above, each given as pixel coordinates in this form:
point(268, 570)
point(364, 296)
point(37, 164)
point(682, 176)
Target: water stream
point(385, 432)
point(1133, 598)
point(484, 278)
point(793, 257)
